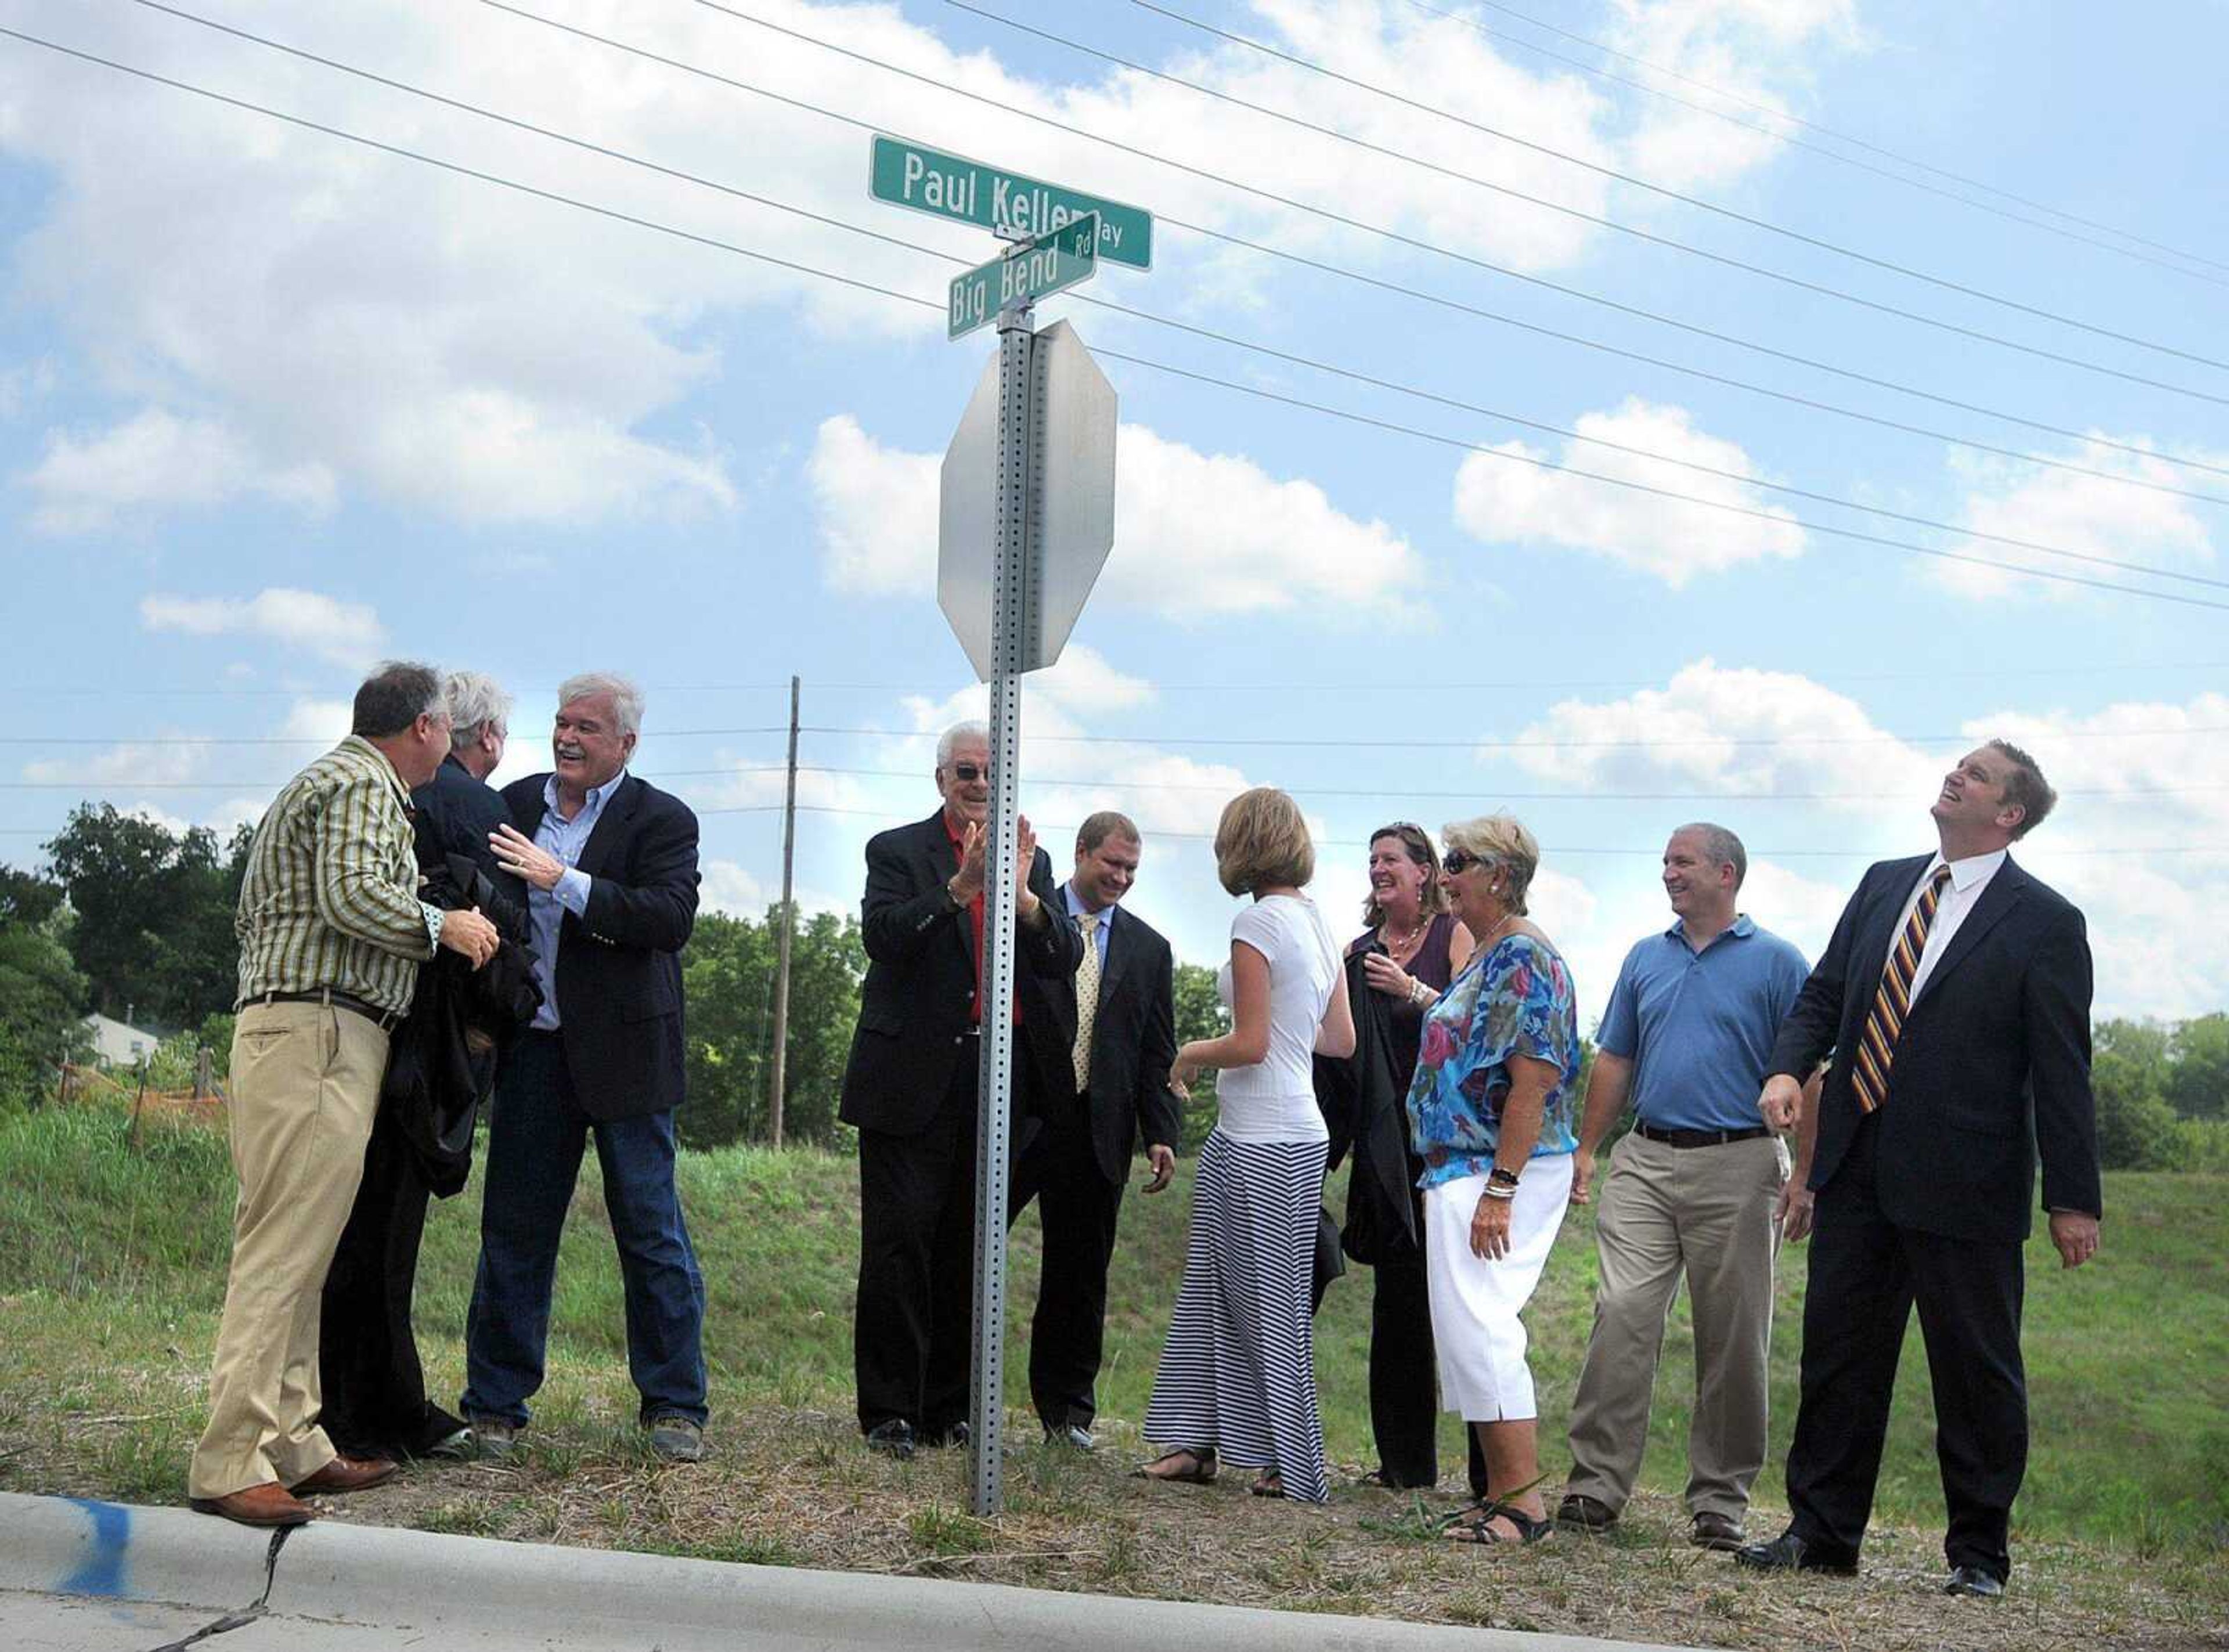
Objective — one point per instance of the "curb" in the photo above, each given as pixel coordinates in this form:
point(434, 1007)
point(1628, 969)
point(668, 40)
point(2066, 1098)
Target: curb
point(467, 1587)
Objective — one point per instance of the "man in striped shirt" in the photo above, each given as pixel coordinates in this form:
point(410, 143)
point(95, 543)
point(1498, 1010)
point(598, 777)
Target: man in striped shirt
point(332, 933)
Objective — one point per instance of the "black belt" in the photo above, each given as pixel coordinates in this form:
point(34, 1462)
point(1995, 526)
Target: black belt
point(1700, 1138)
point(383, 1018)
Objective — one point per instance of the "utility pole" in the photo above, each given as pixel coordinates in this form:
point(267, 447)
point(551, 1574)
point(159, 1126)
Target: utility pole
point(779, 1077)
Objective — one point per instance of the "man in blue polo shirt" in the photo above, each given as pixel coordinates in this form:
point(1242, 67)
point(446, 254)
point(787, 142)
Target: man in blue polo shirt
point(1699, 1187)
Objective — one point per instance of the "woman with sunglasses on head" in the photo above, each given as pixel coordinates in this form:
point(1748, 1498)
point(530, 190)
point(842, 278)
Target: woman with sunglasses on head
point(1403, 960)
point(1490, 1113)
point(1238, 1372)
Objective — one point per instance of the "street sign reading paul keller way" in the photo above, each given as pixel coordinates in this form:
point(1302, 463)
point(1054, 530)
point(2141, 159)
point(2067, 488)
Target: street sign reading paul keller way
point(1030, 270)
point(949, 186)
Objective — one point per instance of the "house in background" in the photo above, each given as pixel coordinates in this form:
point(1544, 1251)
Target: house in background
point(118, 1043)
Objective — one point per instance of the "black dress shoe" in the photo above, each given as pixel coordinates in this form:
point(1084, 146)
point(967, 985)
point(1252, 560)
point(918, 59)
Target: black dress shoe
point(1789, 1553)
point(894, 1436)
point(1972, 1580)
point(958, 1433)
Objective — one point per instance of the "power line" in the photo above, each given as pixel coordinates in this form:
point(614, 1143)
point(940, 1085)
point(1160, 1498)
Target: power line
point(1481, 744)
point(1816, 242)
point(1824, 131)
point(1435, 248)
point(827, 276)
point(1458, 307)
point(1740, 477)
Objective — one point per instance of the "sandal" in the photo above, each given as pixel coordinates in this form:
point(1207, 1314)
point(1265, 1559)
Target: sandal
point(1199, 1471)
point(1469, 1527)
point(1268, 1483)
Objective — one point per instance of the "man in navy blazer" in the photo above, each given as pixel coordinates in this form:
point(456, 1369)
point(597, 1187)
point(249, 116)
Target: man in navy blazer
point(911, 1089)
point(1955, 996)
point(610, 865)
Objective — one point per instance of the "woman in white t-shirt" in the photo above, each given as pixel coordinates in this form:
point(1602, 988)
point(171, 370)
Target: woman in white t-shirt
point(1238, 1373)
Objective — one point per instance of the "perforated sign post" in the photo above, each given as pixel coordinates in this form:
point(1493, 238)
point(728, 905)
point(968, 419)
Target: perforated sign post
point(1025, 520)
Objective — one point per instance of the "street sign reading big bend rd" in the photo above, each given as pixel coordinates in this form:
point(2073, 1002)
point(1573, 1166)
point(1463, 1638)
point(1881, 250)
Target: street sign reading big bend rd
point(949, 186)
point(1030, 270)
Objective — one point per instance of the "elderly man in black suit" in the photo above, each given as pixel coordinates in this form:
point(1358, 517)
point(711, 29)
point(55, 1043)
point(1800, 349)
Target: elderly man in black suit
point(1955, 996)
point(1105, 1038)
point(910, 1089)
point(610, 865)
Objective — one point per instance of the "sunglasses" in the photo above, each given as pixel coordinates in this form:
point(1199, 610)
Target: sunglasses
point(969, 773)
point(1456, 862)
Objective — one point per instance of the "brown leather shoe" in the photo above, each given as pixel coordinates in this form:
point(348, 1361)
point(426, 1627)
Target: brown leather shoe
point(347, 1473)
point(268, 1504)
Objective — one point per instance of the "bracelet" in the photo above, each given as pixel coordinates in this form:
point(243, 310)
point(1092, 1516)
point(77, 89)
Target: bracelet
point(1497, 1190)
point(1419, 994)
point(1501, 1177)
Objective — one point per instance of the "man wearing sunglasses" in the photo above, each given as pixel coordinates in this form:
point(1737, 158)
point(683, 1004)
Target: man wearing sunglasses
point(911, 1089)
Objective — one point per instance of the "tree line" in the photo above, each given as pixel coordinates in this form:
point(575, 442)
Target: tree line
point(133, 919)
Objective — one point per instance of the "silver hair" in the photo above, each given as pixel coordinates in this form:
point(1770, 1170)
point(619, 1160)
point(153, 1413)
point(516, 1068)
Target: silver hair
point(1503, 840)
point(950, 739)
point(626, 698)
point(1723, 848)
point(474, 699)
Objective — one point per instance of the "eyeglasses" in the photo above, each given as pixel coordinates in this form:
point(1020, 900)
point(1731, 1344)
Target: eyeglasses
point(969, 771)
point(1456, 862)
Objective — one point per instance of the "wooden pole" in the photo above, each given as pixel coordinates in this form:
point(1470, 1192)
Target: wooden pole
point(779, 1078)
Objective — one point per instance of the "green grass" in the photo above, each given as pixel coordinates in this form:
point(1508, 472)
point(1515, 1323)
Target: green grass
point(112, 1273)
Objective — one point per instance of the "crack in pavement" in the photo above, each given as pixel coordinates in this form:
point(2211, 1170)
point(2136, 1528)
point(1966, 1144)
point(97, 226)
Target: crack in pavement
point(246, 1614)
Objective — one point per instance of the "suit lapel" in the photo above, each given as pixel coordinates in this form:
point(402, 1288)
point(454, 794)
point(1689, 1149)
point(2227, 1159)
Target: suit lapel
point(942, 860)
point(611, 827)
point(1880, 930)
point(527, 816)
point(2001, 896)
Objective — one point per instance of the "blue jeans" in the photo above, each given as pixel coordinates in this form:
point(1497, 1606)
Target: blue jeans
point(535, 1143)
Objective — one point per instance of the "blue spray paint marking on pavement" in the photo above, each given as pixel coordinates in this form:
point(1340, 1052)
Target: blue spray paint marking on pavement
point(102, 1573)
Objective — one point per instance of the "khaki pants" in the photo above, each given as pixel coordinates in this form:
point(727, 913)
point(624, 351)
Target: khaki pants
point(305, 1087)
point(1663, 1211)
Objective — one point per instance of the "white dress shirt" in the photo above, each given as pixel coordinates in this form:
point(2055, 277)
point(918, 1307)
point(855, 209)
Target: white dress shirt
point(1969, 877)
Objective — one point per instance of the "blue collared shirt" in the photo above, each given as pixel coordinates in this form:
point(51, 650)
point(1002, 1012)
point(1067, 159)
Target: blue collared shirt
point(546, 908)
point(1076, 910)
point(1698, 1026)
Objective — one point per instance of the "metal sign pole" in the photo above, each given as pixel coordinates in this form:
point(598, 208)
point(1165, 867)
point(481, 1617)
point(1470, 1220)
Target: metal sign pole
point(1009, 599)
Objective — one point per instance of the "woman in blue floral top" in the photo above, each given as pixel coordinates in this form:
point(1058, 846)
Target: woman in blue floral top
point(1490, 1113)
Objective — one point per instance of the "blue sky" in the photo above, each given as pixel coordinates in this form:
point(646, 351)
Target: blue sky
point(273, 404)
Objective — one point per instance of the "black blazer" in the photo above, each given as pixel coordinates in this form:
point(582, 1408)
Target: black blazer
point(454, 815)
point(920, 977)
point(618, 970)
point(1134, 1042)
point(1993, 1064)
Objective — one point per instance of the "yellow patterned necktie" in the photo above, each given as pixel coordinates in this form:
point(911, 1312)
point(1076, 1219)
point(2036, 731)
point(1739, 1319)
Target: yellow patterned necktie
point(1087, 998)
point(1892, 999)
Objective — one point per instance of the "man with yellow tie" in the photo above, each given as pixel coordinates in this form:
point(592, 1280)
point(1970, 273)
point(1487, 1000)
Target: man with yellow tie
point(1956, 997)
point(1111, 1029)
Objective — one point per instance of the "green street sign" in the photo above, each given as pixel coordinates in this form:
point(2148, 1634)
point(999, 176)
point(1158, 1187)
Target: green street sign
point(1027, 272)
point(965, 191)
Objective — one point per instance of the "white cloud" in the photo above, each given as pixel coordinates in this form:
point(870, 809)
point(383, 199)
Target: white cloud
point(729, 888)
point(2088, 515)
point(1246, 541)
point(155, 461)
point(350, 324)
point(1506, 501)
point(348, 633)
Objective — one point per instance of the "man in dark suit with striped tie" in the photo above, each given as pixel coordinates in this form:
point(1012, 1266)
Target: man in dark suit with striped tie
point(1955, 996)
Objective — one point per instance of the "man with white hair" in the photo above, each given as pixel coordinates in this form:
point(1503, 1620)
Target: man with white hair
point(911, 1089)
point(610, 865)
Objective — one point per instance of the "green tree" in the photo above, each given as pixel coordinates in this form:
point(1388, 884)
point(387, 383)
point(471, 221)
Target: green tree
point(2128, 1075)
point(28, 898)
point(1199, 1014)
point(154, 913)
point(42, 999)
point(2198, 1073)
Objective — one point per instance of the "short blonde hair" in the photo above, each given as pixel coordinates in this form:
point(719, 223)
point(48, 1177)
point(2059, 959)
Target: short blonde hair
point(1263, 840)
point(1502, 840)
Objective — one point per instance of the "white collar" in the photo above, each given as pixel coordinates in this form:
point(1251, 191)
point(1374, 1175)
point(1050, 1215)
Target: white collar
point(1973, 869)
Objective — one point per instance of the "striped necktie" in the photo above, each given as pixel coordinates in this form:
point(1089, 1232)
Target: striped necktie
point(1892, 1000)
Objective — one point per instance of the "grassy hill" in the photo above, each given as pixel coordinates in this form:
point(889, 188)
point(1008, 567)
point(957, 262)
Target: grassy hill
point(112, 1267)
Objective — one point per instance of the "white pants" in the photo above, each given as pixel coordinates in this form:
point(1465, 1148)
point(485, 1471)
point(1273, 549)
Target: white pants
point(1476, 1302)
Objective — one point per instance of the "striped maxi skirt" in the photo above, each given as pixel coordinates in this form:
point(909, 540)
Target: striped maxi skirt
point(1238, 1372)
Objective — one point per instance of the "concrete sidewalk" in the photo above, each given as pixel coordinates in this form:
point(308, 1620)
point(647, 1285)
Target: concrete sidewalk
point(83, 1576)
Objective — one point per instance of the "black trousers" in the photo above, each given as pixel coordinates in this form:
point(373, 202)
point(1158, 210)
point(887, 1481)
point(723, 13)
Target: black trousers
point(374, 1388)
point(1865, 1275)
point(1078, 1207)
point(1404, 1389)
point(913, 1329)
